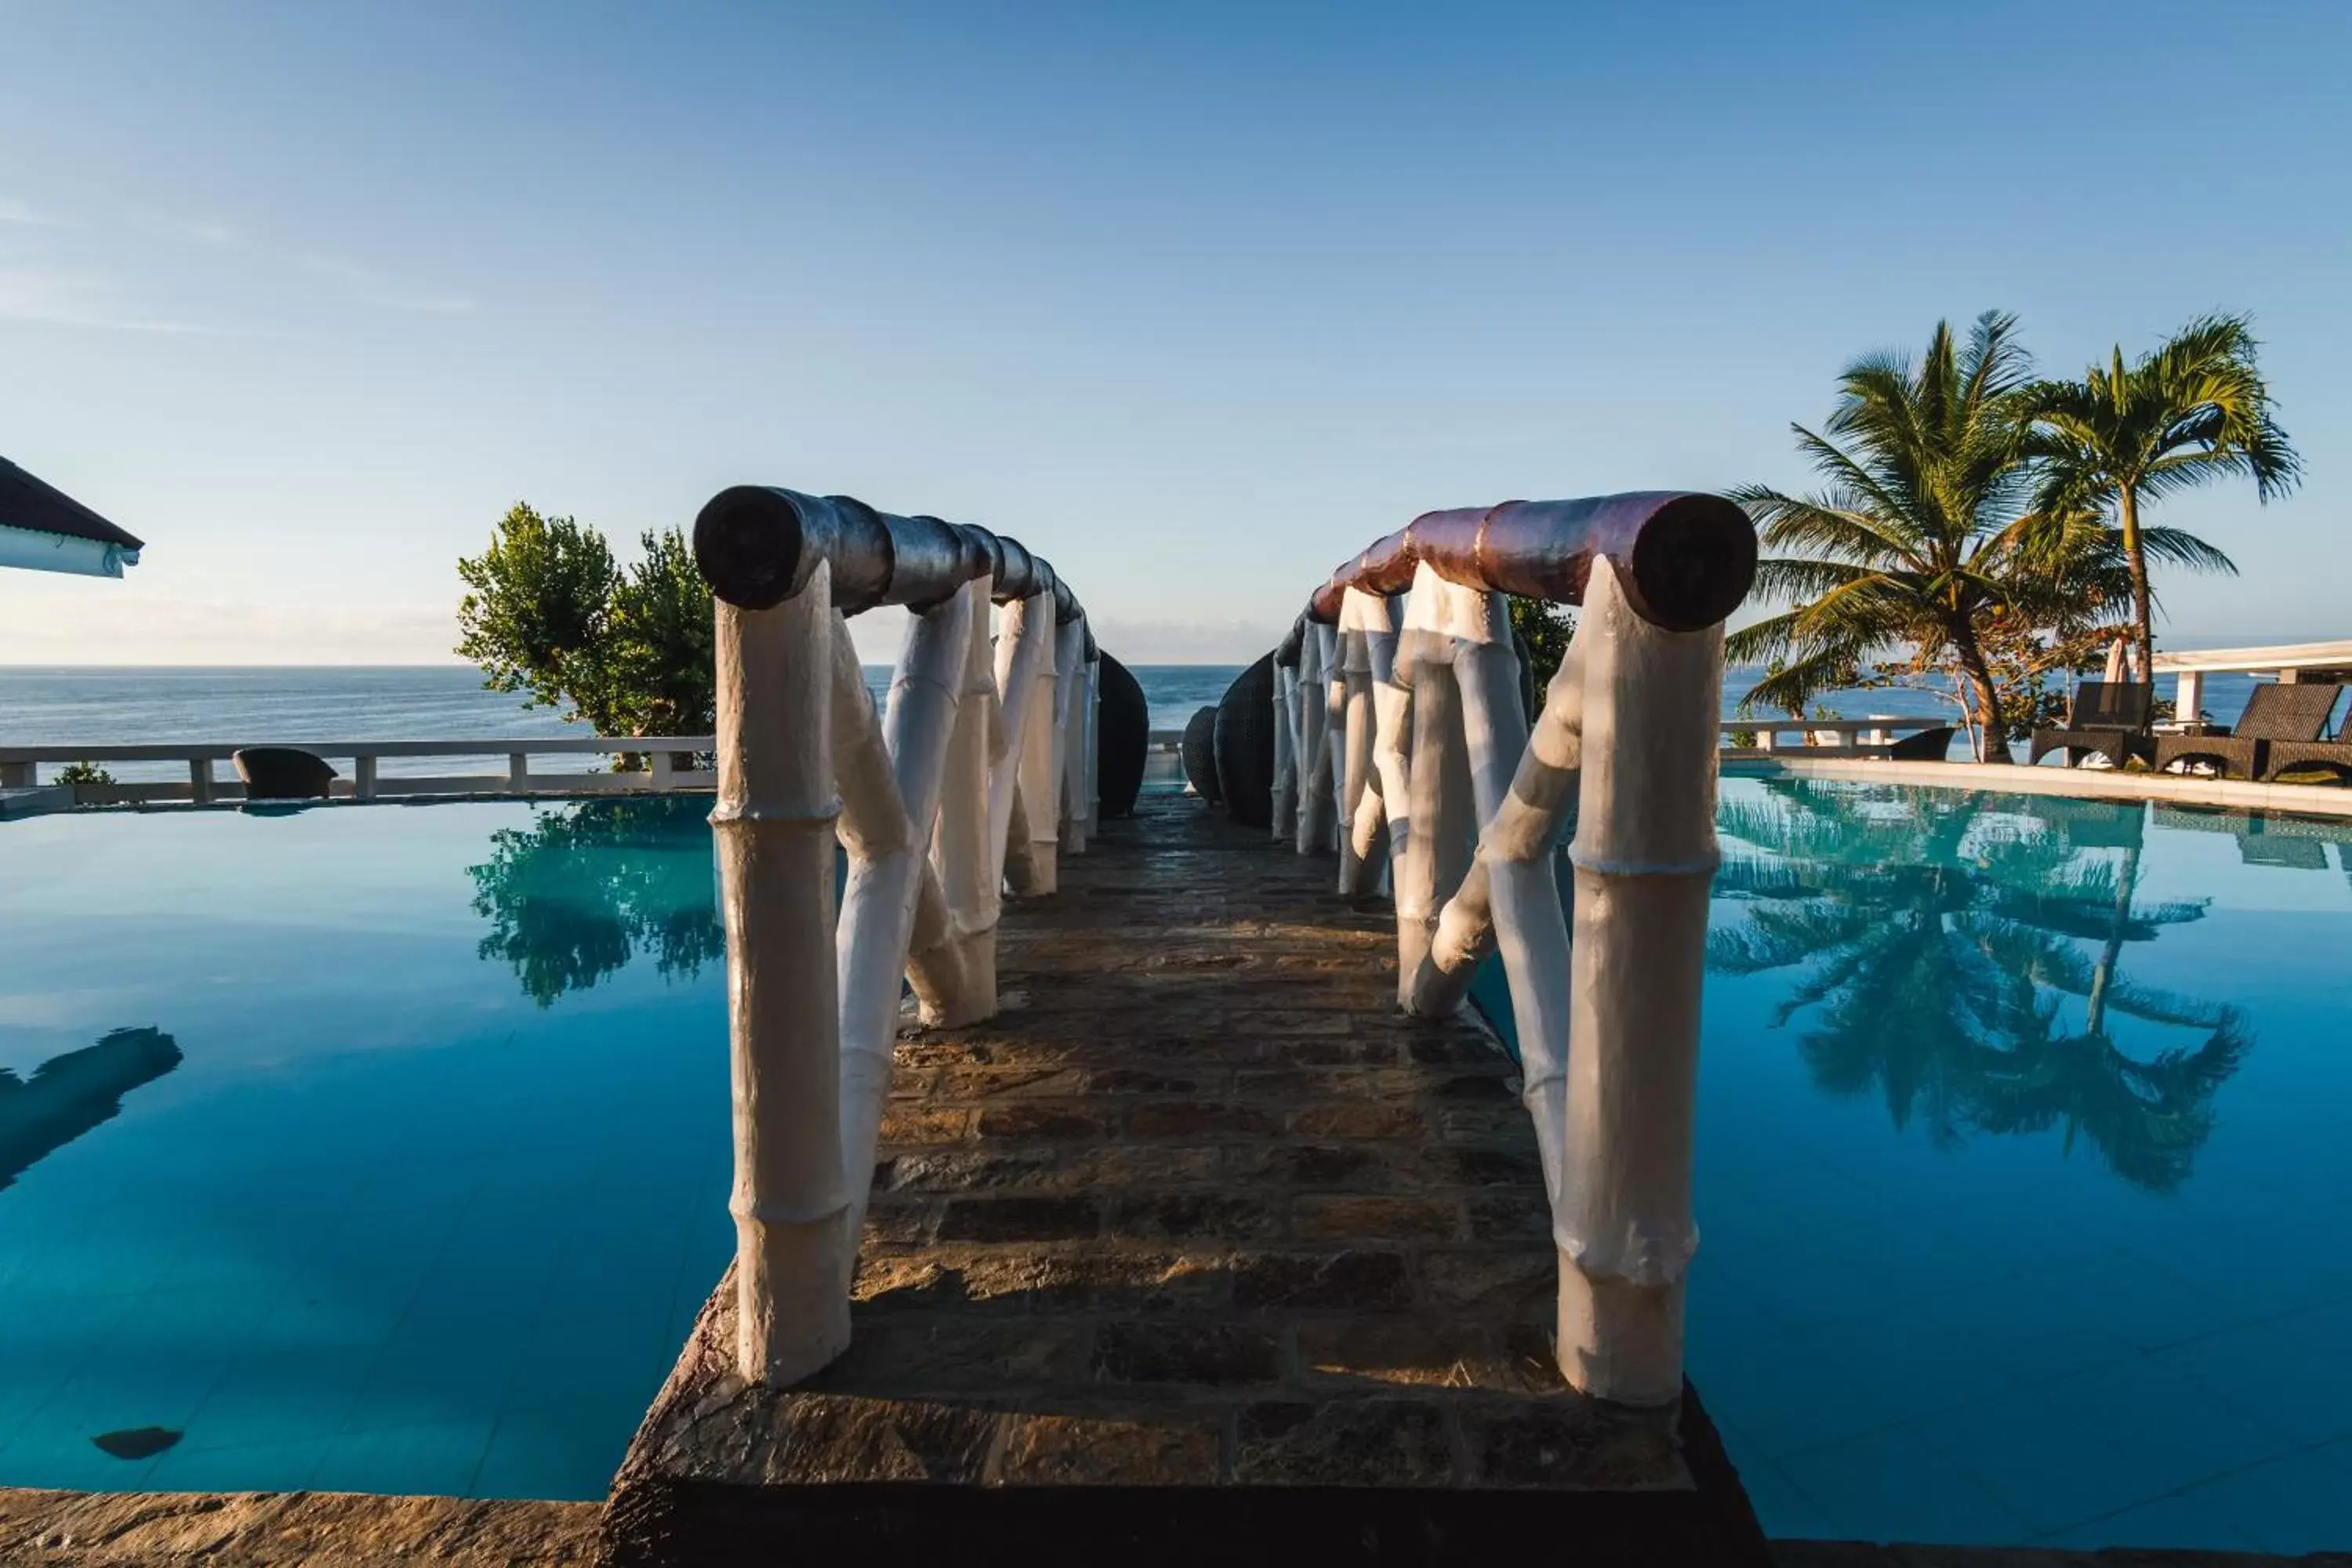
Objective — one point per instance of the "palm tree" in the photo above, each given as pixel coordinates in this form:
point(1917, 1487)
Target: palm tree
point(1918, 532)
point(2195, 408)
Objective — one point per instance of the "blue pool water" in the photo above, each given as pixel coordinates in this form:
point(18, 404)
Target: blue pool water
point(387, 1149)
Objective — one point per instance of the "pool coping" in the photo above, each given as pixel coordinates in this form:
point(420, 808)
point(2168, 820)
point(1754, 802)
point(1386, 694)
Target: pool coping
point(2106, 783)
point(113, 1530)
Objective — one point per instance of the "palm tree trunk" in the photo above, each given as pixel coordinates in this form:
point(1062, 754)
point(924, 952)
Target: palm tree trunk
point(2143, 631)
point(1992, 736)
point(2102, 975)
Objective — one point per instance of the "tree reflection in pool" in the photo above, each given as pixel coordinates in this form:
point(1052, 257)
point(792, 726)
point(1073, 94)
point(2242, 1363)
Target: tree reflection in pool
point(586, 886)
point(1964, 958)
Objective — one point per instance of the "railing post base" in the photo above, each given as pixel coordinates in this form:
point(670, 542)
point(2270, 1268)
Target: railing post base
point(1620, 1340)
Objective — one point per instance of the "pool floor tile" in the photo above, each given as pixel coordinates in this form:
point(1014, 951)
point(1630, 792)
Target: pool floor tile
point(1891, 1486)
point(1786, 1510)
point(2291, 1505)
point(2183, 1431)
point(2041, 1457)
point(2179, 1522)
point(282, 1466)
point(566, 1448)
point(297, 1394)
point(433, 1459)
point(1794, 1393)
point(2272, 1375)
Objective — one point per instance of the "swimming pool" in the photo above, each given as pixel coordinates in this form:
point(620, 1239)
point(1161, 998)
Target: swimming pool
point(426, 1183)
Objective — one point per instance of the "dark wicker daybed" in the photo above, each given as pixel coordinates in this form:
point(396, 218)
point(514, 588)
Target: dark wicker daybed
point(2109, 718)
point(2335, 755)
point(1922, 746)
point(2276, 713)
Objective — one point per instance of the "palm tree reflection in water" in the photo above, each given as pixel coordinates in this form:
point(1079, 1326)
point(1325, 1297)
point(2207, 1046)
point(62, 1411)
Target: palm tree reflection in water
point(1946, 939)
point(572, 898)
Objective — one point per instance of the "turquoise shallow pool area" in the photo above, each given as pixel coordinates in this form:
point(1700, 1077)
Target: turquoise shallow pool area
point(385, 1149)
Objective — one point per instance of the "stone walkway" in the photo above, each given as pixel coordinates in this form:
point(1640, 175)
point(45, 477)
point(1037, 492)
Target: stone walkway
point(1201, 1208)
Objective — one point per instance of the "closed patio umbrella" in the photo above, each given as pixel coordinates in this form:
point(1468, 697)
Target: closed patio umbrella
point(42, 529)
point(2119, 661)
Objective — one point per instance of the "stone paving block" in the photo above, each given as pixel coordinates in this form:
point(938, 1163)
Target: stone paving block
point(1369, 1442)
point(1065, 1450)
point(1357, 1217)
point(1020, 1219)
point(1198, 1214)
point(1360, 1280)
point(1210, 1354)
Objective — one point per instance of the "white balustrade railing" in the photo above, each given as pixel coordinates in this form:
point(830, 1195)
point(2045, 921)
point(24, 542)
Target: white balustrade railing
point(977, 776)
point(1401, 731)
point(209, 780)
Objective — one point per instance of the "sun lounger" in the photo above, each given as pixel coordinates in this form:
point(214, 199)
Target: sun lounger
point(1921, 746)
point(2109, 719)
point(2276, 713)
point(2336, 755)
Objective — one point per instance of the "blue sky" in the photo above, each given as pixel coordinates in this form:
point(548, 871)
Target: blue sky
point(1195, 300)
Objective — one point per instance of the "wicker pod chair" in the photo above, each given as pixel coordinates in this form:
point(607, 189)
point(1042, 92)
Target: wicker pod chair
point(1122, 739)
point(1245, 746)
point(282, 772)
point(1201, 754)
point(2276, 712)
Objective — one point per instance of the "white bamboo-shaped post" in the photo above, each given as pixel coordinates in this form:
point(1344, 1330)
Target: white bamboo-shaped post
point(1025, 669)
point(1391, 808)
point(1032, 857)
point(1090, 763)
point(1077, 752)
point(1521, 831)
point(1335, 737)
point(1644, 852)
point(1286, 754)
point(1360, 614)
point(1315, 803)
point(1062, 751)
point(953, 963)
point(774, 826)
point(1419, 879)
point(1511, 891)
point(890, 777)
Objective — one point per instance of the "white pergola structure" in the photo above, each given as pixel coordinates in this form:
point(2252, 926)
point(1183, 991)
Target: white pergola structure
point(1402, 737)
point(42, 529)
point(2289, 661)
point(977, 776)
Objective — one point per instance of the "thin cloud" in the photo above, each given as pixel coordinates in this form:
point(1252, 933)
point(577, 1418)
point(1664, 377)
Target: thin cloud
point(204, 233)
point(60, 297)
point(370, 288)
point(17, 212)
point(423, 304)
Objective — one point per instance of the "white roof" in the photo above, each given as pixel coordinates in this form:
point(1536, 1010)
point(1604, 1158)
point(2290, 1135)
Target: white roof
point(2283, 656)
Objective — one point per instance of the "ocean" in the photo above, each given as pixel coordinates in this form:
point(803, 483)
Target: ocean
point(244, 705)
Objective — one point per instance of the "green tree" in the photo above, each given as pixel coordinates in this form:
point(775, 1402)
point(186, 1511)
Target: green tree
point(548, 612)
point(1541, 630)
point(2193, 409)
point(1917, 533)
